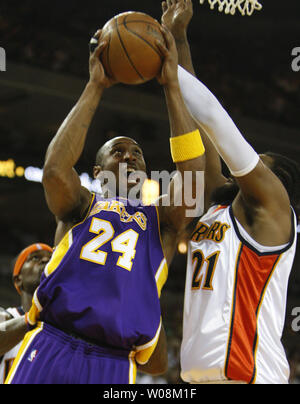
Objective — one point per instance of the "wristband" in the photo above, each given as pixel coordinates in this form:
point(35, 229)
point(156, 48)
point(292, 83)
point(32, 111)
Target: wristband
point(187, 147)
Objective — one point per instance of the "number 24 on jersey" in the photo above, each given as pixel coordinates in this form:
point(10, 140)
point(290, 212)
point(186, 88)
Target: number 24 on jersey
point(125, 244)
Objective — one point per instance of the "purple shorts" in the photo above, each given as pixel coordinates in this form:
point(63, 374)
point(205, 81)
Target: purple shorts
point(50, 356)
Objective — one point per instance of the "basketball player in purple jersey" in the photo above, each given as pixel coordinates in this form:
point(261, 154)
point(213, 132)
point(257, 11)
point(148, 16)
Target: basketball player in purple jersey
point(96, 314)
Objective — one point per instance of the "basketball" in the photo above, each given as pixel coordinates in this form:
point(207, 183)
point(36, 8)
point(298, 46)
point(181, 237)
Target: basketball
point(131, 56)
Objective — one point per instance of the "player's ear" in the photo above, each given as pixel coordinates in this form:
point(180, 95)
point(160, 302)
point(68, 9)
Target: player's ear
point(97, 170)
point(18, 282)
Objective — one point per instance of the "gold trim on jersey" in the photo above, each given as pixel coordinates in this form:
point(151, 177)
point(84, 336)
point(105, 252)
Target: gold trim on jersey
point(56, 259)
point(161, 276)
point(132, 368)
point(59, 253)
point(63, 247)
point(118, 207)
point(28, 339)
point(35, 310)
point(143, 353)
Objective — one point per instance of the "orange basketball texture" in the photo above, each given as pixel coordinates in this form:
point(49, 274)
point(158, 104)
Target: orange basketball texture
point(131, 56)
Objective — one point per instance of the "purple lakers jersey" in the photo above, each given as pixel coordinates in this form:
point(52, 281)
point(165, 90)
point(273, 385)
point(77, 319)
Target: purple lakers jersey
point(105, 277)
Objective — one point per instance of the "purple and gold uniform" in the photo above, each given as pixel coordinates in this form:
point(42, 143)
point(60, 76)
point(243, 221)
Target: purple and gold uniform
point(98, 302)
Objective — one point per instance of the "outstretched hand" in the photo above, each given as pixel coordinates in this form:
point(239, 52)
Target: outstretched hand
point(169, 72)
point(97, 72)
point(177, 15)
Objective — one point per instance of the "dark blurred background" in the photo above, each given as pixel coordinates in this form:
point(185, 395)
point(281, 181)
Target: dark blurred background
point(245, 61)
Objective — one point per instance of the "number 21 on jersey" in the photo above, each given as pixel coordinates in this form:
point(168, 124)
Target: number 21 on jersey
point(125, 244)
point(198, 263)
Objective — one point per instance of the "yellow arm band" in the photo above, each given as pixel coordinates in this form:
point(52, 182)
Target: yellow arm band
point(187, 147)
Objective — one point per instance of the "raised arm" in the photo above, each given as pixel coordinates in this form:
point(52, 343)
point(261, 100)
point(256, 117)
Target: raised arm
point(187, 149)
point(262, 197)
point(177, 15)
point(263, 205)
point(65, 196)
point(12, 331)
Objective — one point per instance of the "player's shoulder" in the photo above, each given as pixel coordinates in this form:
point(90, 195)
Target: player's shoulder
point(215, 210)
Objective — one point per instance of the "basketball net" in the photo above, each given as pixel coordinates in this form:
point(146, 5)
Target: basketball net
point(230, 6)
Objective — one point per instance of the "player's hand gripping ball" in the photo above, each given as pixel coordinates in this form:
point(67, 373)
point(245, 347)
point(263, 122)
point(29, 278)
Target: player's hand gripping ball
point(131, 55)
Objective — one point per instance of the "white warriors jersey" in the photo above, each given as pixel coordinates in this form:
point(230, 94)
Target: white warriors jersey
point(6, 360)
point(235, 303)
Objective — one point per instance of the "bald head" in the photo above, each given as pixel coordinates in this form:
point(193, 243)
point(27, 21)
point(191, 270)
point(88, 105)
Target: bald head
point(105, 149)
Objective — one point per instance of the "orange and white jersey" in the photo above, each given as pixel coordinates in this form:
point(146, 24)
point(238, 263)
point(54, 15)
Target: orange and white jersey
point(6, 360)
point(235, 304)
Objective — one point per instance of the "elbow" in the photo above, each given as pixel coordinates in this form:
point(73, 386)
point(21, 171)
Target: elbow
point(161, 369)
point(51, 173)
point(158, 368)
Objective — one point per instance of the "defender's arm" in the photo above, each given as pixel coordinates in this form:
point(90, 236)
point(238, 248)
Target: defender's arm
point(177, 17)
point(263, 198)
point(11, 333)
point(187, 147)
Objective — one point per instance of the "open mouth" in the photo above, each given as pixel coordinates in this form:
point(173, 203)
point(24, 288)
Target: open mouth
point(130, 171)
point(132, 177)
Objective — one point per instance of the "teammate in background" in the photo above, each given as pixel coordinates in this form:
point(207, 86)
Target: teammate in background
point(27, 273)
point(242, 250)
point(98, 302)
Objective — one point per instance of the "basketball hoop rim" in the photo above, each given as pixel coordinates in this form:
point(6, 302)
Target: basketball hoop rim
point(229, 7)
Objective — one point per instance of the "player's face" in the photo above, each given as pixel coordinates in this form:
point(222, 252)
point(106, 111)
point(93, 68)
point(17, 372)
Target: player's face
point(122, 151)
point(32, 270)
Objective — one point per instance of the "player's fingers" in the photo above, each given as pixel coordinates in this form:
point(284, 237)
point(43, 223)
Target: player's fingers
point(100, 48)
point(94, 42)
point(164, 6)
point(98, 33)
point(189, 4)
point(169, 3)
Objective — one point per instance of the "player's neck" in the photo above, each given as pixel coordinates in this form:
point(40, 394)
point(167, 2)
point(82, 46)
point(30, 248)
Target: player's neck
point(26, 301)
